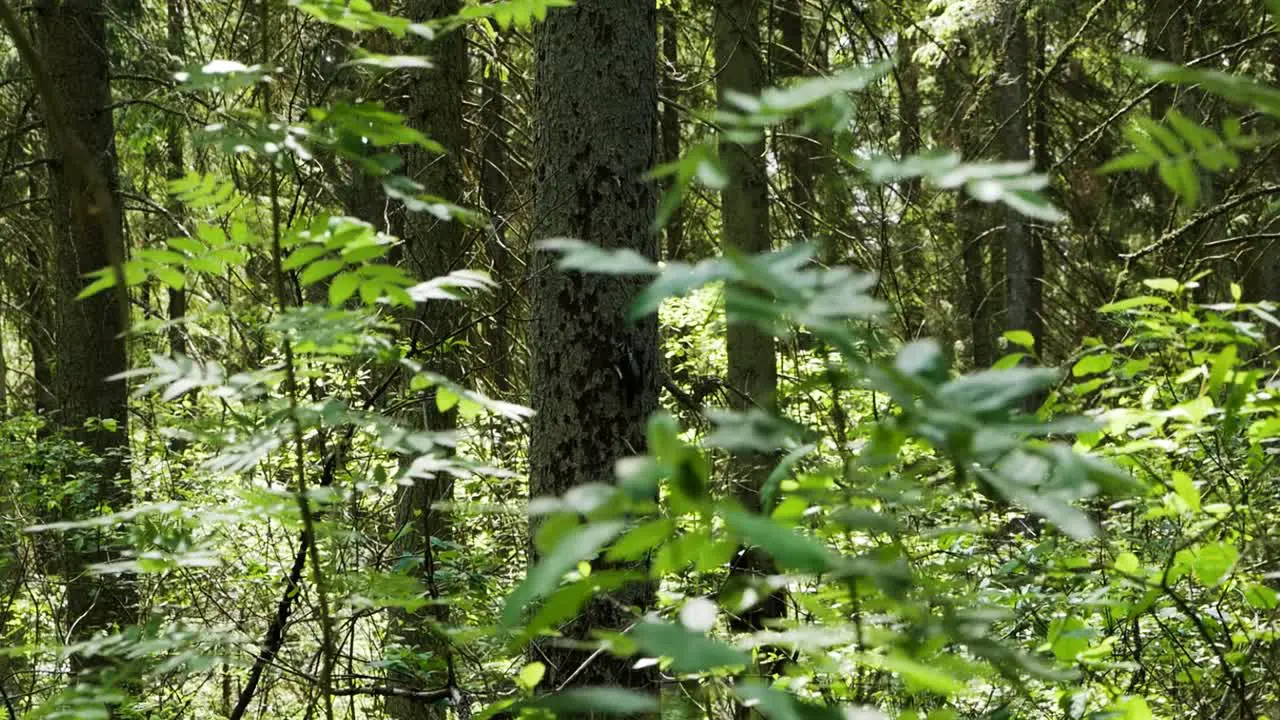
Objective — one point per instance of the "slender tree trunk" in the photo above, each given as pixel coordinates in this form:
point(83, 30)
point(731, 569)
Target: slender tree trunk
point(797, 152)
point(87, 345)
point(910, 256)
point(1166, 39)
point(744, 211)
point(970, 218)
point(1166, 32)
point(1041, 153)
point(39, 322)
point(1021, 245)
point(495, 193)
point(432, 247)
point(675, 245)
point(969, 230)
point(593, 378)
point(752, 373)
point(176, 45)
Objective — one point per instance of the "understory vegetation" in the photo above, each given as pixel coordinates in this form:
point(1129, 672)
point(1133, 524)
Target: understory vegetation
point(799, 359)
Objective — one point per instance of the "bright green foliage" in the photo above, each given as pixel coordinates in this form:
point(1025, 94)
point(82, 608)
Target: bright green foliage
point(1087, 540)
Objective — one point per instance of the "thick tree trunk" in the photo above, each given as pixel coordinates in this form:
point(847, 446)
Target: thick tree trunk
point(593, 378)
point(87, 345)
point(1021, 246)
point(432, 247)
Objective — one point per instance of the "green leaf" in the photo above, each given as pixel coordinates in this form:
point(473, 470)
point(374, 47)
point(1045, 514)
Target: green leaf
point(641, 539)
point(769, 491)
point(1134, 302)
point(1261, 597)
point(169, 277)
point(530, 675)
point(773, 704)
point(106, 280)
point(343, 287)
point(393, 62)
point(1129, 161)
point(1213, 562)
point(689, 651)
point(1009, 361)
point(1237, 88)
point(1131, 707)
point(446, 398)
point(792, 551)
point(602, 700)
point(1033, 205)
point(915, 672)
point(565, 602)
point(1021, 338)
point(780, 705)
point(581, 544)
point(1068, 637)
point(585, 257)
point(992, 390)
point(302, 256)
point(1057, 510)
point(319, 270)
point(1186, 489)
point(1091, 365)
point(1168, 285)
point(1127, 563)
point(1222, 366)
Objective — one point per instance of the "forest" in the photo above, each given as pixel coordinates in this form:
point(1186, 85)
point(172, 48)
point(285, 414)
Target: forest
point(724, 359)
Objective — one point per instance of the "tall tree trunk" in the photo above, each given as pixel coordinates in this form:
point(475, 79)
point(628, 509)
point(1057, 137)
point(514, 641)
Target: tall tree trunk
point(593, 378)
point(1166, 32)
point(675, 235)
point(1041, 153)
point(970, 223)
point(87, 345)
point(175, 43)
point(432, 247)
point(495, 193)
point(797, 152)
point(969, 216)
point(910, 256)
point(1166, 39)
point(1021, 246)
point(744, 210)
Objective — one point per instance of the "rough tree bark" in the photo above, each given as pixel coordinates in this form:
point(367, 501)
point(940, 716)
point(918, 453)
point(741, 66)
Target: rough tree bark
point(675, 235)
point(495, 193)
point(1021, 246)
point(955, 80)
point(175, 43)
point(910, 256)
point(797, 152)
point(744, 209)
point(593, 378)
point(432, 247)
point(87, 345)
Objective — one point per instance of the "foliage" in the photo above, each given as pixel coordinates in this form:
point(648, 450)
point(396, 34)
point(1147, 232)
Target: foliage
point(1088, 539)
